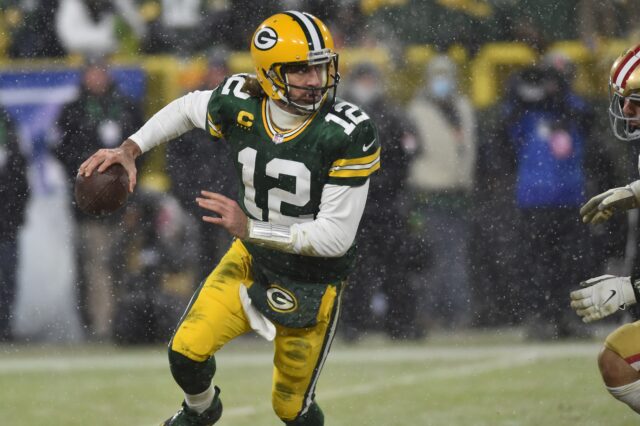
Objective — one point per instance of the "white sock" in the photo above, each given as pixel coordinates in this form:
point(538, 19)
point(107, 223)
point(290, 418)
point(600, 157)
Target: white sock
point(200, 402)
point(629, 394)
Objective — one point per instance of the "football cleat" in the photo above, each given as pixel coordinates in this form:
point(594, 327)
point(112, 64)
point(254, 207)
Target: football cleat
point(189, 417)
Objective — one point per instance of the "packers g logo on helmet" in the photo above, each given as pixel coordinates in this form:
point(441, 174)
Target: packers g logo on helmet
point(624, 83)
point(288, 39)
point(265, 38)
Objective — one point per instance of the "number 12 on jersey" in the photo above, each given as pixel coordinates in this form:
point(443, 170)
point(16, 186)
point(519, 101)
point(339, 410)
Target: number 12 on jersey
point(275, 168)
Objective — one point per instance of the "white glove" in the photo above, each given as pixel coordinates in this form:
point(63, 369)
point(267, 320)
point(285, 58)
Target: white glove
point(602, 296)
point(601, 207)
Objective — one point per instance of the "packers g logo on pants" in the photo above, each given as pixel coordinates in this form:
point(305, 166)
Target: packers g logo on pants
point(281, 300)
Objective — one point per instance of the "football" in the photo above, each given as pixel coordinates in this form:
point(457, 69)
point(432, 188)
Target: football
point(102, 193)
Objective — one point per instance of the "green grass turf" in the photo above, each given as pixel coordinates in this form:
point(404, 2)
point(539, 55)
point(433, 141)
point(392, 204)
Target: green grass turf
point(474, 379)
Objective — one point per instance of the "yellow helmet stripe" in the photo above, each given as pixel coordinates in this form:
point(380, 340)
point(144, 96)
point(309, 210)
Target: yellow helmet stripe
point(309, 28)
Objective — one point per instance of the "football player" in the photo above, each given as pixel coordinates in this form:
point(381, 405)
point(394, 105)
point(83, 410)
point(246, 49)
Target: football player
point(619, 359)
point(303, 159)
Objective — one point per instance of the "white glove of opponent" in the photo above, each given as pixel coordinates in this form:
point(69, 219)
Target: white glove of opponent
point(602, 296)
point(601, 207)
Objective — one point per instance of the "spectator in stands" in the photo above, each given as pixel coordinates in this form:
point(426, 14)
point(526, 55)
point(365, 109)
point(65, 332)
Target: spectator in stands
point(441, 178)
point(544, 138)
point(380, 275)
point(177, 27)
point(598, 21)
point(436, 23)
point(99, 118)
point(536, 23)
point(497, 219)
point(32, 31)
point(348, 27)
point(186, 185)
point(14, 194)
point(186, 28)
point(89, 27)
point(494, 225)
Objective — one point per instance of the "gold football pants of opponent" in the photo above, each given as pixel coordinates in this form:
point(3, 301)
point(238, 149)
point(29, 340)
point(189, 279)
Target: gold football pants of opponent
point(215, 316)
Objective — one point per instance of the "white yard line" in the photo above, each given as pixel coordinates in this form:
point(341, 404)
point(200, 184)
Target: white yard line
point(11, 364)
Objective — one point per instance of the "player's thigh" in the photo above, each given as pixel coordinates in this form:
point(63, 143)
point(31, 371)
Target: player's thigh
point(299, 356)
point(619, 361)
point(215, 314)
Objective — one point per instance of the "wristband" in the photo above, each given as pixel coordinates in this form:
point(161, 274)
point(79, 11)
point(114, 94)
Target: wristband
point(267, 232)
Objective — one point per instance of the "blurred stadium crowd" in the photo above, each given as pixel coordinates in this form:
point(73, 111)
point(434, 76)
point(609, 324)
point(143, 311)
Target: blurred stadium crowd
point(492, 116)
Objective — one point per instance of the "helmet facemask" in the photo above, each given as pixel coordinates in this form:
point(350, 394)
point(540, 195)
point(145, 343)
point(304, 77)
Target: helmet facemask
point(278, 76)
point(623, 127)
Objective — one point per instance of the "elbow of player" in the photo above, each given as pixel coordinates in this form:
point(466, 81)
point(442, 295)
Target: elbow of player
point(338, 244)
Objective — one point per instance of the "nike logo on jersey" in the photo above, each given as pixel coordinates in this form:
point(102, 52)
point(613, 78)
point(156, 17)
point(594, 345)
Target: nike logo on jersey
point(366, 147)
point(613, 293)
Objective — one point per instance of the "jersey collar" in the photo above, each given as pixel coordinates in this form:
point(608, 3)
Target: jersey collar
point(277, 134)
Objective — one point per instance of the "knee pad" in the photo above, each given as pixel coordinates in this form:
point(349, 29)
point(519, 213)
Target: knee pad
point(193, 377)
point(629, 394)
point(313, 417)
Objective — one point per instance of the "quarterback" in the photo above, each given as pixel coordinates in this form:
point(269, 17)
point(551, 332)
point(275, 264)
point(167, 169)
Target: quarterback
point(303, 159)
point(619, 360)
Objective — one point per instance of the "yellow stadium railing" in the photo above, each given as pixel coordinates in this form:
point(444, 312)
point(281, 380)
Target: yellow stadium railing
point(490, 67)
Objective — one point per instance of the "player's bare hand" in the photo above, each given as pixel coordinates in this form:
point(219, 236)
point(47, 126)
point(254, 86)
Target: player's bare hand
point(125, 154)
point(231, 217)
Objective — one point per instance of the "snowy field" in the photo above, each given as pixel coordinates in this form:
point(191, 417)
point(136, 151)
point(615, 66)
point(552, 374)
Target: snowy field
point(464, 379)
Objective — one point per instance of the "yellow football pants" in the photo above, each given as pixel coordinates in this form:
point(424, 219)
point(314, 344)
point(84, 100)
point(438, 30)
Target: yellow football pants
point(215, 316)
